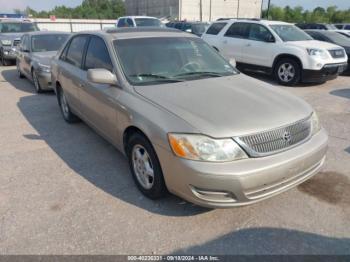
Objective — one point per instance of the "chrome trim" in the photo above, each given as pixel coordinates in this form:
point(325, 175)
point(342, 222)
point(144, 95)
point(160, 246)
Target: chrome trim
point(276, 140)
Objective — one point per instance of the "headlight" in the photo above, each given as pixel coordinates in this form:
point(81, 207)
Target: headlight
point(315, 124)
point(317, 53)
point(203, 148)
point(6, 42)
point(44, 68)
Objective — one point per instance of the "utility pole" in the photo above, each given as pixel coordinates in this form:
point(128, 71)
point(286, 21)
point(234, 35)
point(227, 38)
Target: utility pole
point(201, 10)
point(210, 11)
point(238, 8)
point(268, 9)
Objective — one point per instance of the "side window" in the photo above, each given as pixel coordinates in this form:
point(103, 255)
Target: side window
point(215, 28)
point(129, 23)
point(121, 22)
point(347, 27)
point(178, 26)
point(76, 50)
point(259, 33)
point(238, 30)
point(63, 56)
point(97, 55)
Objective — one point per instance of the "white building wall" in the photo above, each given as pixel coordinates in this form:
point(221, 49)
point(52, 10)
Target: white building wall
point(214, 9)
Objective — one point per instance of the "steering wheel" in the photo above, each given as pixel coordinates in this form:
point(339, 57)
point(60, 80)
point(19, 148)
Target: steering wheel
point(190, 66)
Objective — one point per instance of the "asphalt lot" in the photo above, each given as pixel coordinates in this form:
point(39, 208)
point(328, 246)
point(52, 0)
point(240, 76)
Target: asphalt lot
point(64, 190)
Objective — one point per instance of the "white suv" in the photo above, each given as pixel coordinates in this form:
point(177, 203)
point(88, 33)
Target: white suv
point(139, 21)
point(277, 48)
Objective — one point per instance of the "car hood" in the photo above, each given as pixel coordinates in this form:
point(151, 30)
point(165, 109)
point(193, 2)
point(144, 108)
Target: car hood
point(313, 44)
point(10, 36)
point(44, 57)
point(228, 106)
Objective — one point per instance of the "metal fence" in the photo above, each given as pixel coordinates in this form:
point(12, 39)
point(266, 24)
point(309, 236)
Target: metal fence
point(73, 25)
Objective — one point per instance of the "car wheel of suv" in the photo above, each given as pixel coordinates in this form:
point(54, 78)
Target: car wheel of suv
point(145, 167)
point(36, 82)
point(20, 75)
point(288, 72)
point(65, 109)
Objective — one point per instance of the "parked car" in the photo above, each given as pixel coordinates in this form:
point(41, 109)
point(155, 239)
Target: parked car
point(318, 26)
point(196, 28)
point(139, 21)
point(34, 56)
point(11, 31)
point(332, 37)
point(187, 120)
point(277, 48)
point(343, 26)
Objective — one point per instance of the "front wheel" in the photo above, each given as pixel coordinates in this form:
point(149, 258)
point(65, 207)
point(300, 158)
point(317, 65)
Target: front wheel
point(36, 82)
point(288, 72)
point(145, 167)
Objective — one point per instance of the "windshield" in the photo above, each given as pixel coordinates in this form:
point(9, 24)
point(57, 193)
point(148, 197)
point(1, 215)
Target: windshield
point(337, 38)
point(147, 61)
point(290, 33)
point(199, 29)
point(17, 27)
point(147, 22)
point(46, 43)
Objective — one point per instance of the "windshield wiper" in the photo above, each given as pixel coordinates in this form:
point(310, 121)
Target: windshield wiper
point(204, 73)
point(158, 77)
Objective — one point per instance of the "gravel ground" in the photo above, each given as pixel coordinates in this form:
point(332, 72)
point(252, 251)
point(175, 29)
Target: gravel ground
point(65, 190)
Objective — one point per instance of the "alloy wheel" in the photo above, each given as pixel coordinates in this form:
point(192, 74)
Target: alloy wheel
point(286, 72)
point(143, 167)
point(64, 105)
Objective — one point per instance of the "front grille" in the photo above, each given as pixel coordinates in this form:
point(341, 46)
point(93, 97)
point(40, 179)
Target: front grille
point(337, 53)
point(273, 141)
point(16, 43)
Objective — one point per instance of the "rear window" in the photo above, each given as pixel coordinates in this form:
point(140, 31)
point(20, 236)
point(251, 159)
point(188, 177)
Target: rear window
point(215, 28)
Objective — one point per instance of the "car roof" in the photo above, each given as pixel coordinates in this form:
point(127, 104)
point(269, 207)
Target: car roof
point(137, 32)
point(135, 16)
point(254, 20)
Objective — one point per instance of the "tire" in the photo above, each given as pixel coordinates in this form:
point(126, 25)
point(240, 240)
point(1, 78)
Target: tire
point(4, 61)
point(287, 72)
point(67, 114)
point(145, 167)
point(20, 75)
point(36, 82)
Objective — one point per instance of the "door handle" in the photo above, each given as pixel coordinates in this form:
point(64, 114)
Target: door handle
point(225, 41)
point(248, 45)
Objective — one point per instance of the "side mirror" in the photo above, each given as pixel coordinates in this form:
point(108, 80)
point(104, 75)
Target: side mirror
point(232, 62)
point(270, 39)
point(24, 50)
point(101, 76)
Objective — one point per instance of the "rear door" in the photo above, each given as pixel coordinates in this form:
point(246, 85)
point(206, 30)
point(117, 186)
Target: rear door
point(71, 73)
point(233, 41)
point(98, 100)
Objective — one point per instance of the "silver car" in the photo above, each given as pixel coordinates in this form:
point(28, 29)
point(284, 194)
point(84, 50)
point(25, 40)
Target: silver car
point(185, 118)
point(34, 56)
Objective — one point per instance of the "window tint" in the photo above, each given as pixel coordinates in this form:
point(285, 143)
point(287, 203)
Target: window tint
point(178, 26)
point(129, 23)
point(215, 28)
point(347, 27)
point(97, 55)
point(238, 30)
point(259, 33)
point(121, 22)
point(75, 51)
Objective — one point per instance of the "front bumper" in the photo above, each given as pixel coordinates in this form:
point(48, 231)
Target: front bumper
point(328, 72)
point(44, 80)
point(9, 53)
point(243, 182)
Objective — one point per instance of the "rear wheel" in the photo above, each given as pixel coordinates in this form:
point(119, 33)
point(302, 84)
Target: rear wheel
point(145, 167)
point(288, 72)
point(65, 109)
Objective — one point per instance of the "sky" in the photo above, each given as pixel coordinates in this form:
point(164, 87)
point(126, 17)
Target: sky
point(9, 5)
